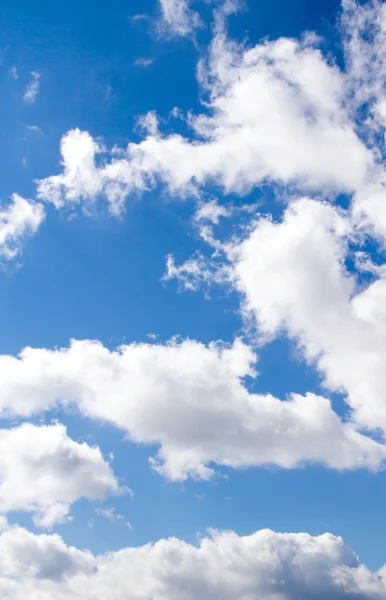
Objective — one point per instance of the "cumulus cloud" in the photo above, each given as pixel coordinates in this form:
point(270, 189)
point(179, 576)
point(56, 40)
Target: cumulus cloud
point(189, 399)
point(293, 276)
point(279, 111)
point(43, 471)
point(18, 219)
point(24, 555)
point(32, 89)
point(263, 566)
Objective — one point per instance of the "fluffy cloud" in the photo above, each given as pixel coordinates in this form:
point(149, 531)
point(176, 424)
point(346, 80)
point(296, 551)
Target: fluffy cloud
point(43, 471)
point(293, 276)
point(80, 178)
point(188, 398)
point(277, 111)
point(263, 566)
point(39, 557)
point(18, 219)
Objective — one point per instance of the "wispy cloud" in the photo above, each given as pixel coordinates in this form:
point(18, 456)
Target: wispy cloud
point(34, 128)
point(13, 73)
point(139, 17)
point(144, 62)
point(111, 515)
point(32, 88)
point(178, 18)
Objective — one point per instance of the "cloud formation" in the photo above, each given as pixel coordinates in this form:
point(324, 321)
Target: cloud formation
point(279, 111)
point(294, 279)
point(43, 471)
point(262, 566)
point(32, 88)
point(19, 218)
point(178, 18)
point(189, 399)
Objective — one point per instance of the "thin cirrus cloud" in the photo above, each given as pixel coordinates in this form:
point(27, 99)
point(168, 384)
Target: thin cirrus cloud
point(32, 88)
point(224, 565)
point(43, 471)
point(14, 73)
point(191, 401)
point(143, 61)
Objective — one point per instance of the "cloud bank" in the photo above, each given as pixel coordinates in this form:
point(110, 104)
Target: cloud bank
point(263, 566)
point(191, 400)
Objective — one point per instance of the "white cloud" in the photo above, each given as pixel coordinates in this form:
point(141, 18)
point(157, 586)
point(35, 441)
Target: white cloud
point(193, 274)
point(34, 128)
point(364, 37)
point(264, 566)
point(276, 112)
point(143, 61)
point(139, 17)
point(26, 556)
point(178, 18)
point(80, 178)
point(189, 399)
point(363, 27)
point(294, 279)
point(43, 471)
point(211, 212)
point(19, 218)
point(110, 514)
point(32, 89)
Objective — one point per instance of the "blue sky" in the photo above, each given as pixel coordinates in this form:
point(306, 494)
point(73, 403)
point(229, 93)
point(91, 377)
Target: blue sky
point(263, 121)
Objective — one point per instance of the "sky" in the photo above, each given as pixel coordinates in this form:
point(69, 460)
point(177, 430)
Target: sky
point(192, 300)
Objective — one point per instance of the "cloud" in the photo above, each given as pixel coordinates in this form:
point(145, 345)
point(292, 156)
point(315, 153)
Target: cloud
point(194, 274)
point(144, 62)
point(18, 219)
point(293, 277)
point(34, 128)
point(112, 516)
point(80, 178)
point(363, 29)
point(13, 73)
point(29, 557)
point(139, 17)
point(43, 471)
point(191, 401)
point(265, 565)
point(32, 89)
point(211, 212)
point(279, 111)
point(178, 18)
